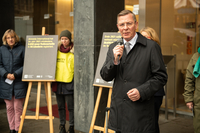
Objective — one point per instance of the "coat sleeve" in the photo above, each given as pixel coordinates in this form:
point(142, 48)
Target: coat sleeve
point(159, 74)
point(108, 70)
point(2, 69)
point(189, 82)
point(19, 71)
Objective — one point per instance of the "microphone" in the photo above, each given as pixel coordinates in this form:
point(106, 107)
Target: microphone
point(120, 42)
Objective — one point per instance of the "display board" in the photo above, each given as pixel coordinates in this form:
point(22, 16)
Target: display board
point(107, 39)
point(40, 58)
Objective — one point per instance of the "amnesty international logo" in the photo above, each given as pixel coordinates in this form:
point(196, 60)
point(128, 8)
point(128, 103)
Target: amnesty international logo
point(60, 60)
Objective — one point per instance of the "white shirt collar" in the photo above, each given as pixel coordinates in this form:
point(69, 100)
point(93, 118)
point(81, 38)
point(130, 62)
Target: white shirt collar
point(132, 41)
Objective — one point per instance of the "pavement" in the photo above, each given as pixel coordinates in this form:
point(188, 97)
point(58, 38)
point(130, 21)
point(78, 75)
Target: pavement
point(31, 125)
point(178, 124)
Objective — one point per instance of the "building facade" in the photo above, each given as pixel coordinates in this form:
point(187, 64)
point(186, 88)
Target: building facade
point(176, 22)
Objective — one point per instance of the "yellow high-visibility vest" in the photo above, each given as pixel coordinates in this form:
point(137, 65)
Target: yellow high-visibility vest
point(65, 67)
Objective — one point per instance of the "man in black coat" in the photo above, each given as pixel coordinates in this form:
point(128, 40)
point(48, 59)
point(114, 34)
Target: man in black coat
point(139, 72)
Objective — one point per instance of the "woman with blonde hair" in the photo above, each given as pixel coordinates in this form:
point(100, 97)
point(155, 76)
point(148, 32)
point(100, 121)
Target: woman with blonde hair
point(151, 34)
point(12, 89)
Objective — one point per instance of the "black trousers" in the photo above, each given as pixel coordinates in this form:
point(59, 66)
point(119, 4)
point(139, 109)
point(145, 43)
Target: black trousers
point(157, 104)
point(61, 100)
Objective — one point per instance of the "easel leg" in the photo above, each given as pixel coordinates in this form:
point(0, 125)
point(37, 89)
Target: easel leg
point(46, 93)
point(25, 107)
point(108, 105)
point(95, 109)
point(50, 107)
point(38, 100)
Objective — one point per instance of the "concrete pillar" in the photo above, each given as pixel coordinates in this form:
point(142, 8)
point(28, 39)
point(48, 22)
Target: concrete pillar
point(91, 19)
point(7, 16)
point(150, 15)
point(153, 15)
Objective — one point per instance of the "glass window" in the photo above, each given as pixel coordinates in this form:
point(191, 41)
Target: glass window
point(64, 16)
point(180, 37)
point(133, 5)
point(23, 18)
point(54, 15)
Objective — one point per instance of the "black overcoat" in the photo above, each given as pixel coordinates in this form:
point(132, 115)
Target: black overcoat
point(11, 61)
point(143, 68)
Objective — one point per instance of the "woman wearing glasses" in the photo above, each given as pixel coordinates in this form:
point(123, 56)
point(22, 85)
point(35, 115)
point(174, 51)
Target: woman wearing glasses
point(12, 89)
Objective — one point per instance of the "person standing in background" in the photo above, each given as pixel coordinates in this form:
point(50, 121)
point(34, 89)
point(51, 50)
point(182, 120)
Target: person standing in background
point(138, 71)
point(64, 85)
point(151, 34)
point(12, 89)
point(192, 89)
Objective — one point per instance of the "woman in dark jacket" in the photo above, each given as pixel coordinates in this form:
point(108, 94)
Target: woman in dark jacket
point(12, 89)
point(64, 87)
point(151, 34)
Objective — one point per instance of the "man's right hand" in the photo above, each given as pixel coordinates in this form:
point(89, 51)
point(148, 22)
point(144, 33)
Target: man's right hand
point(133, 94)
point(118, 50)
point(190, 105)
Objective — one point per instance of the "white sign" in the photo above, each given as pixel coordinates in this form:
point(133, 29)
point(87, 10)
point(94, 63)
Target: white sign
point(135, 9)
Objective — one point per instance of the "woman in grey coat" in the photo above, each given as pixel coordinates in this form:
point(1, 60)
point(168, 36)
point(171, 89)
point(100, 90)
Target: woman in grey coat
point(12, 89)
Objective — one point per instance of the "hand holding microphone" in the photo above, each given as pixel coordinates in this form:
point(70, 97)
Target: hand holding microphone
point(118, 51)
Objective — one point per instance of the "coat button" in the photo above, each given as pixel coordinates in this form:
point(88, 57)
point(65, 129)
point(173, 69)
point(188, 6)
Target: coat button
point(124, 99)
point(125, 81)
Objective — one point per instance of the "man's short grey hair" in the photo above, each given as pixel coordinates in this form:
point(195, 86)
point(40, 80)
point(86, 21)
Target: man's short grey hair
point(125, 12)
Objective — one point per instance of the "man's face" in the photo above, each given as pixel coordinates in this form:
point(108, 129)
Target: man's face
point(127, 26)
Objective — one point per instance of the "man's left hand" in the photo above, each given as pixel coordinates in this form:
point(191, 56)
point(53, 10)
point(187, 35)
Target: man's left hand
point(133, 94)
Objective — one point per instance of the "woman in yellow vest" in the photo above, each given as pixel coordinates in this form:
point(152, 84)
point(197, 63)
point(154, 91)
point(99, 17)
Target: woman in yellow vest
point(64, 85)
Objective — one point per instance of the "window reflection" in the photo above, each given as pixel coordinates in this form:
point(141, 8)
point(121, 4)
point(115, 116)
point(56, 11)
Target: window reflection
point(32, 15)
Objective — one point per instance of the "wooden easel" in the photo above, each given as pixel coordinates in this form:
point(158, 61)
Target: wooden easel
point(92, 126)
point(47, 85)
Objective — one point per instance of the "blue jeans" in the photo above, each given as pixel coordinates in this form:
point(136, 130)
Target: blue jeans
point(61, 100)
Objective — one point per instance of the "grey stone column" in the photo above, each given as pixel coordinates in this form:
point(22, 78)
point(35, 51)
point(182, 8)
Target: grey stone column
point(91, 19)
point(84, 63)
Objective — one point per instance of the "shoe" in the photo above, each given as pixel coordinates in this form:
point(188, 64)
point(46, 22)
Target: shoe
point(62, 129)
point(71, 129)
point(12, 131)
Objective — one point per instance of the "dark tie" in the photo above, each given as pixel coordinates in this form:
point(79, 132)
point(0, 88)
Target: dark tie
point(128, 48)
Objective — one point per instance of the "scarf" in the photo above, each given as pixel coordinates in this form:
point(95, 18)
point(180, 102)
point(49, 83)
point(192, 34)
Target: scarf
point(196, 71)
point(65, 50)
